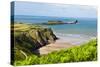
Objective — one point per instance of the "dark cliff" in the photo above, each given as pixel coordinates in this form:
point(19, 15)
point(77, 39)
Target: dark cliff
point(27, 38)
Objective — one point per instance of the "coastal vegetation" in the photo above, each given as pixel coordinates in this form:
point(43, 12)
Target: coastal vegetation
point(85, 52)
point(28, 37)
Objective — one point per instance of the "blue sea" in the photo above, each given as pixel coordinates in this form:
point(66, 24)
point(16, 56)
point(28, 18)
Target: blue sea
point(84, 30)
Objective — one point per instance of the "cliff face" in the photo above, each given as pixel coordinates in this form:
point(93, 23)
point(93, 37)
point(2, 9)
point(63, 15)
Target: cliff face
point(25, 42)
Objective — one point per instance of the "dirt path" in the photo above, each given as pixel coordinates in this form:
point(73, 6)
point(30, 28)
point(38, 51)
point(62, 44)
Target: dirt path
point(58, 45)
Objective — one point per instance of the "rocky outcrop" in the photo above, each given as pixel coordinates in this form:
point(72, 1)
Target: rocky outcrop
point(30, 40)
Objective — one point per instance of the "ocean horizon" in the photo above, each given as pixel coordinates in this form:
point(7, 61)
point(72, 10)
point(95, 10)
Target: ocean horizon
point(84, 30)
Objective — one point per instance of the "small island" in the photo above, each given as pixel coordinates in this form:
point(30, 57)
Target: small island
point(60, 22)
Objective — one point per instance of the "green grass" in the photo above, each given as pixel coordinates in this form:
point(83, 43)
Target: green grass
point(29, 37)
point(85, 52)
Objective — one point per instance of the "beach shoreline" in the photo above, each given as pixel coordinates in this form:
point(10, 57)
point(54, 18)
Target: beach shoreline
point(56, 46)
point(62, 43)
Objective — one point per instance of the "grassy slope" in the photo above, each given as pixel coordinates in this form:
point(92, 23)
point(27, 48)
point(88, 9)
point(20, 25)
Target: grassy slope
point(85, 52)
point(28, 38)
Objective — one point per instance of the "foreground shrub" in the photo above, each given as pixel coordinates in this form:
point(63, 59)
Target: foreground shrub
point(85, 52)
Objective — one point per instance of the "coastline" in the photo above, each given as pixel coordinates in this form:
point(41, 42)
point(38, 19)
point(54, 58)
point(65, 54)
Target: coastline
point(63, 43)
point(56, 46)
point(64, 40)
point(74, 39)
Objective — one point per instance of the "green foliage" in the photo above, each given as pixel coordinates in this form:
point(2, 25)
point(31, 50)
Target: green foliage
point(85, 52)
point(29, 37)
point(29, 61)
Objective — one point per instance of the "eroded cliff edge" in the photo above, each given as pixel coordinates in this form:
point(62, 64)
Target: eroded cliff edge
point(28, 38)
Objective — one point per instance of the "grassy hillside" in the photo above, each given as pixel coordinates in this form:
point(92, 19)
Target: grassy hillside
point(29, 37)
point(85, 52)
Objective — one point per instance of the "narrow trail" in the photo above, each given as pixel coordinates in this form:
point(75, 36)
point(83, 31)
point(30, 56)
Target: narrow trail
point(23, 54)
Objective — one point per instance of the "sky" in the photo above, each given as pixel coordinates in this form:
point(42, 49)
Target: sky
point(57, 10)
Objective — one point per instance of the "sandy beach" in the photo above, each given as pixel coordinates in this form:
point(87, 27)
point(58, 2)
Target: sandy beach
point(56, 46)
point(63, 42)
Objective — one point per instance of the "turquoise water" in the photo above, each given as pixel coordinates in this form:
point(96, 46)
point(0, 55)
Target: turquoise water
point(83, 27)
point(84, 30)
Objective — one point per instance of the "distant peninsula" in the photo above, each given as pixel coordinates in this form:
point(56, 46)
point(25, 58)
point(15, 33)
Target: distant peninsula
point(60, 22)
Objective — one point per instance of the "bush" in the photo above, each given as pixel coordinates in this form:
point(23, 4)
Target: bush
point(85, 52)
